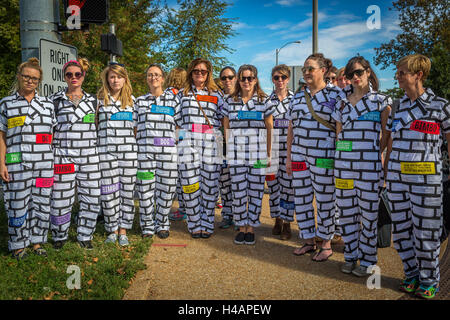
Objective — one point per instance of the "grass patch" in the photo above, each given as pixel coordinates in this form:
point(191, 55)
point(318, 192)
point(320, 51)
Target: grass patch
point(106, 271)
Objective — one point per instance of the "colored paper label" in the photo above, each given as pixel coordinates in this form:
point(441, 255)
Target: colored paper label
point(108, 189)
point(192, 188)
point(371, 116)
point(418, 167)
point(270, 177)
point(44, 138)
point(64, 168)
point(343, 145)
point(250, 115)
point(44, 182)
point(17, 222)
point(299, 166)
point(60, 220)
point(89, 118)
point(346, 184)
point(426, 127)
point(141, 175)
point(14, 157)
point(162, 110)
point(211, 99)
point(287, 205)
point(16, 122)
point(281, 123)
point(325, 163)
point(163, 142)
point(260, 164)
point(330, 104)
point(394, 125)
point(122, 116)
point(224, 164)
point(201, 128)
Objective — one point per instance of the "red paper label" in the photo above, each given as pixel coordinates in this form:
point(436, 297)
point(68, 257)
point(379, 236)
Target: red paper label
point(270, 177)
point(44, 138)
point(44, 182)
point(201, 128)
point(211, 99)
point(64, 168)
point(299, 166)
point(426, 127)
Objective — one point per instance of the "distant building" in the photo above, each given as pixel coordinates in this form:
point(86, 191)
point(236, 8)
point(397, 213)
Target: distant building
point(296, 77)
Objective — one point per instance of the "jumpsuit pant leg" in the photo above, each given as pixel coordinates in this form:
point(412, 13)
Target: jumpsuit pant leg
point(240, 188)
point(350, 219)
point(209, 191)
point(274, 187)
point(110, 190)
point(225, 192)
point(256, 178)
point(287, 202)
point(127, 173)
point(166, 184)
point(146, 190)
point(304, 195)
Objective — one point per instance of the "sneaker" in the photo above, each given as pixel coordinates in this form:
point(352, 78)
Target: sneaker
point(226, 223)
point(123, 240)
point(21, 255)
point(348, 267)
point(112, 238)
point(163, 234)
point(40, 252)
point(86, 244)
point(177, 216)
point(57, 245)
point(426, 292)
point(410, 285)
point(240, 238)
point(249, 238)
point(360, 271)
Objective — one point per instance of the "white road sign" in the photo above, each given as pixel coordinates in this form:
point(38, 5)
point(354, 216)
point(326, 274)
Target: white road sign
point(53, 56)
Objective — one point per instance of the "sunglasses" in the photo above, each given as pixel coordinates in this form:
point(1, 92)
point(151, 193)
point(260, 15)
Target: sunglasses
point(358, 72)
point(330, 78)
point(249, 79)
point(308, 69)
point(198, 71)
point(401, 74)
point(227, 77)
point(70, 75)
point(283, 77)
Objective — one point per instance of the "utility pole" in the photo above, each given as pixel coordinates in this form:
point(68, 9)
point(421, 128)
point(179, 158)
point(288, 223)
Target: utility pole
point(39, 19)
point(112, 30)
point(315, 26)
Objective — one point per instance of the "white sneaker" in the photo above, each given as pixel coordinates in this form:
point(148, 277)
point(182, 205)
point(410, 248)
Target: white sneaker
point(112, 238)
point(123, 240)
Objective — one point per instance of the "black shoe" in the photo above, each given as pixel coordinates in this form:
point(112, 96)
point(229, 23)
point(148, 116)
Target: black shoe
point(240, 238)
point(206, 235)
point(57, 245)
point(249, 238)
point(196, 235)
point(86, 244)
point(163, 234)
point(226, 223)
point(147, 236)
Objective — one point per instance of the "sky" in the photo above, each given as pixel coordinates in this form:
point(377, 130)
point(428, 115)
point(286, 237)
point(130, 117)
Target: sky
point(266, 25)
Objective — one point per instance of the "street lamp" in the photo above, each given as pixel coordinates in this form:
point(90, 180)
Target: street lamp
point(278, 50)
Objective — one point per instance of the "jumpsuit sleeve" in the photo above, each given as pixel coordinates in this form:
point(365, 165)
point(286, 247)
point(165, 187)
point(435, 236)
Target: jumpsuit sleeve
point(446, 118)
point(3, 117)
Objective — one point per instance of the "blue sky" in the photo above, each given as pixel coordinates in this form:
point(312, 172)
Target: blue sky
point(263, 26)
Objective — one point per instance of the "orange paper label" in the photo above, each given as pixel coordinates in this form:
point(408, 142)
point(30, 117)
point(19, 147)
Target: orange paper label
point(211, 99)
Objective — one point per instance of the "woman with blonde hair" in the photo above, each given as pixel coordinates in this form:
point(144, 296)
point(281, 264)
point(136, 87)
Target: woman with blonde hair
point(26, 160)
point(76, 158)
point(199, 161)
point(117, 151)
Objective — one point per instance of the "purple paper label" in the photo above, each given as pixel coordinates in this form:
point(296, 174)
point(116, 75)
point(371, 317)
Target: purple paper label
point(108, 189)
point(58, 221)
point(281, 123)
point(163, 142)
point(330, 104)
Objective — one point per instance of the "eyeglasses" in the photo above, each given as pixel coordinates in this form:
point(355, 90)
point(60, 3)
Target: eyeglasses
point(330, 79)
point(308, 69)
point(227, 77)
point(283, 77)
point(70, 75)
point(116, 63)
point(401, 74)
point(358, 72)
point(198, 71)
point(27, 78)
point(154, 76)
point(249, 79)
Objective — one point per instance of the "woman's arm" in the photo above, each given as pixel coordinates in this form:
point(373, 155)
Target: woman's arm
point(3, 169)
point(269, 127)
point(385, 134)
point(290, 138)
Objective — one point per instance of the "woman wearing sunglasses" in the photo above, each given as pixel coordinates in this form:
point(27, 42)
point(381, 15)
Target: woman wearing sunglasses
point(361, 119)
point(228, 80)
point(157, 157)
point(117, 151)
point(199, 161)
point(281, 201)
point(248, 124)
point(414, 179)
point(76, 158)
point(26, 161)
point(310, 157)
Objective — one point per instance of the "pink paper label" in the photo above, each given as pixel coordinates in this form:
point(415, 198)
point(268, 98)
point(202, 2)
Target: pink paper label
point(44, 182)
point(201, 128)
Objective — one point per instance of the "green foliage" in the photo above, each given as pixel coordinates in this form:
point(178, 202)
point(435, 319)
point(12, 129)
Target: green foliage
point(197, 29)
point(440, 69)
point(394, 93)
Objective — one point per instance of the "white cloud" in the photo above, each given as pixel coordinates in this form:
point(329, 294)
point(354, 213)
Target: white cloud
point(290, 3)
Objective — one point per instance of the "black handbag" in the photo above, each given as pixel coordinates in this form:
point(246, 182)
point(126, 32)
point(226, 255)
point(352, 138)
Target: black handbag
point(384, 224)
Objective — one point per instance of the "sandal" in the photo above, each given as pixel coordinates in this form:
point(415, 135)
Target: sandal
point(40, 252)
point(306, 245)
point(20, 254)
point(318, 253)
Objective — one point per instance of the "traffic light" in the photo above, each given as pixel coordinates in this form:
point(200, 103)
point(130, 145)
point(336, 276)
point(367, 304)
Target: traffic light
point(110, 44)
point(92, 11)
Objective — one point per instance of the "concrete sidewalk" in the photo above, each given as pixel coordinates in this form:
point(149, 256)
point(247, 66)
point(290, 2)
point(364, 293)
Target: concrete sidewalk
point(210, 269)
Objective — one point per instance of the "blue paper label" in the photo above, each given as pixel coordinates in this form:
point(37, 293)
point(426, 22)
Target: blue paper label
point(122, 116)
point(394, 125)
point(371, 116)
point(287, 205)
point(163, 110)
point(17, 222)
point(250, 115)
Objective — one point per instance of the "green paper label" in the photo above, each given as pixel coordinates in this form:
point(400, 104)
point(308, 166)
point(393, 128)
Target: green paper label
point(89, 118)
point(14, 157)
point(325, 163)
point(260, 164)
point(145, 175)
point(344, 145)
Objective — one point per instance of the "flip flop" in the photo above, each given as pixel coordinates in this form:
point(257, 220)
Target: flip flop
point(320, 251)
point(312, 246)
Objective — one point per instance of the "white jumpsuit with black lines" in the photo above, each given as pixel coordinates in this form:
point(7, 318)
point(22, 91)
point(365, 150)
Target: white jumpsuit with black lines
point(414, 183)
point(199, 157)
point(118, 163)
point(358, 172)
point(247, 156)
point(157, 159)
point(281, 200)
point(76, 167)
point(312, 157)
point(225, 184)
point(28, 130)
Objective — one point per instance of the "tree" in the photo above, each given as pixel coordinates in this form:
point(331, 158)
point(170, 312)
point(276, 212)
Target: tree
point(197, 29)
point(426, 30)
point(10, 50)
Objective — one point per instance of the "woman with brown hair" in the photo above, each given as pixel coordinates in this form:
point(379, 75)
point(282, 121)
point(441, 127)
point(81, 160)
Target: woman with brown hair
point(26, 160)
point(117, 151)
point(247, 118)
point(199, 161)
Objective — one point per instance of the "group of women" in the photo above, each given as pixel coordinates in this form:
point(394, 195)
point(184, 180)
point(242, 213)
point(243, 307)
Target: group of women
point(323, 143)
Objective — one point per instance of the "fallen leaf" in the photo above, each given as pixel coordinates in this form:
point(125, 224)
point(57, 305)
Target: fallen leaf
point(90, 282)
point(95, 259)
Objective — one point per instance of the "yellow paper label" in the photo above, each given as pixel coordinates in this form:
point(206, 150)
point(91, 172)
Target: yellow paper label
point(16, 122)
point(192, 188)
point(418, 167)
point(346, 184)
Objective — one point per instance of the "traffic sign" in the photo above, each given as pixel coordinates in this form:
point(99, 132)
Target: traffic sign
point(52, 56)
